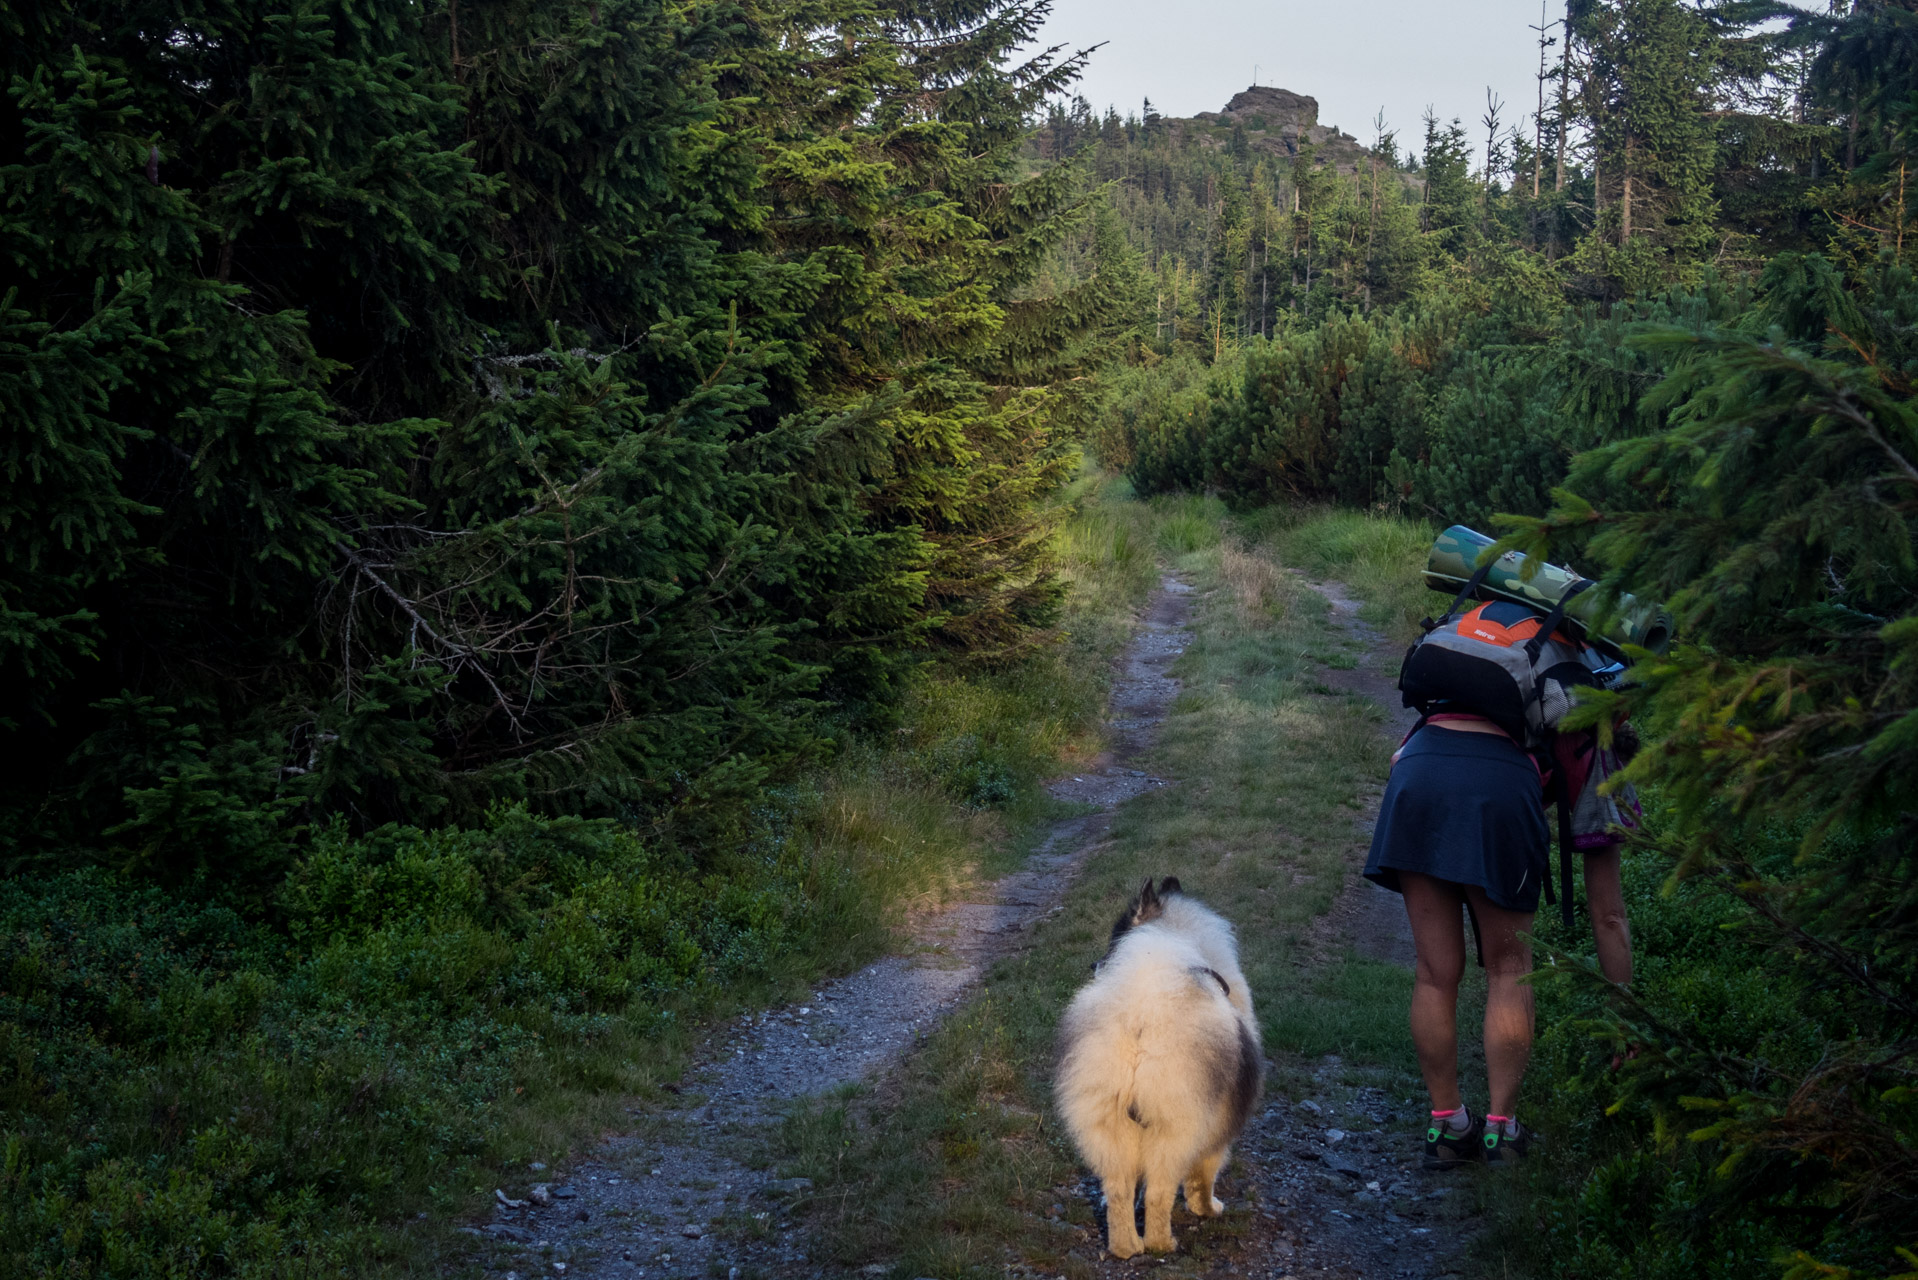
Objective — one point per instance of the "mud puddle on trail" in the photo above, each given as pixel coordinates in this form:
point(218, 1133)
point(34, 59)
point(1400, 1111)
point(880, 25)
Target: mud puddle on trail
point(684, 1199)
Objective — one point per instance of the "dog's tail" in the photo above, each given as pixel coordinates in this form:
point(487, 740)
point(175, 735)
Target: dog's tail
point(1234, 1070)
point(1247, 1077)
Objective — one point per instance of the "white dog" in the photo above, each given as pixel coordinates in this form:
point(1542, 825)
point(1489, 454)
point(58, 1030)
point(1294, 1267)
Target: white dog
point(1160, 1063)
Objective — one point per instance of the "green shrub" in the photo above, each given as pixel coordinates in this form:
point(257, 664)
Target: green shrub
point(192, 1088)
point(1433, 410)
point(1775, 1010)
point(1625, 1191)
point(180, 1085)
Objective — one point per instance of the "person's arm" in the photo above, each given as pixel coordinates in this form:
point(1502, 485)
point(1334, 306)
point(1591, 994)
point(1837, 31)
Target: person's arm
point(1605, 898)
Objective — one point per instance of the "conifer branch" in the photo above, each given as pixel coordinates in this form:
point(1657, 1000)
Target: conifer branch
point(463, 654)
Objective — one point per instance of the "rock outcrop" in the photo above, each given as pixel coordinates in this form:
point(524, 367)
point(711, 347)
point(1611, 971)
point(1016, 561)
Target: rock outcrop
point(1281, 108)
point(1279, 123)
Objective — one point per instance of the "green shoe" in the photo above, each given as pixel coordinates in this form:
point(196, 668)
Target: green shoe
point(1502, 1149)
point(1447, 1150)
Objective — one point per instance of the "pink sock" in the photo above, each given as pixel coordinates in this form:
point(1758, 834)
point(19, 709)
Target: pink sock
point(1446, 1115)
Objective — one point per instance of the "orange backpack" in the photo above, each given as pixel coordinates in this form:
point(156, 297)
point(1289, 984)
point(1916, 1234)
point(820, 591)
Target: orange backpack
point(1498, 661)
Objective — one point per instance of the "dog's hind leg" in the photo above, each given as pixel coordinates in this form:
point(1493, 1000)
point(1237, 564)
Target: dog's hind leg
point(1199, 1183)
point(1122, 1229)
point(1161, 1185)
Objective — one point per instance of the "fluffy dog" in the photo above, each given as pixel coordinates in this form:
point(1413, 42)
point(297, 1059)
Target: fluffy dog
point(1159, 1063)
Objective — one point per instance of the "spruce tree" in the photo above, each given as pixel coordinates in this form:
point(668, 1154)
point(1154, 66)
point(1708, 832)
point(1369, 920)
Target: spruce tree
point(431, 407)
point(1777, 513)
point(1451, 212)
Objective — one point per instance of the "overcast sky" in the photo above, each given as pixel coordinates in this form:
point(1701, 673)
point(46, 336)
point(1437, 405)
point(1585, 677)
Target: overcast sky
point(1354, 56)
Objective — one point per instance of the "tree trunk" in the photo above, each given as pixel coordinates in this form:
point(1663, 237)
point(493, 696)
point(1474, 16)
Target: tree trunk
point(1372, 233)
point(1899, 248)
point(1564, 97)
point(1538, 117)
point(1245, 321)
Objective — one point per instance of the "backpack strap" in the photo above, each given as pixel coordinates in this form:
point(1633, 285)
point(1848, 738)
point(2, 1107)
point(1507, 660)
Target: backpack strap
point(1555, 619)
point(1566, 800)
point(1470, 589)
point(1565, 803)
point(1554, 782)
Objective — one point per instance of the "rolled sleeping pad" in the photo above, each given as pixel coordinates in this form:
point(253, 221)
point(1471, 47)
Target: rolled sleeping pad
point(1455, 556)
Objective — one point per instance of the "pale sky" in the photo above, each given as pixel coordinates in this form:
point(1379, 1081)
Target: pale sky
point(1354, 56)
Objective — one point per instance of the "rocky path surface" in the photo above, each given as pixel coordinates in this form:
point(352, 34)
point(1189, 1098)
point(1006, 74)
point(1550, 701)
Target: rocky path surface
point(683, 1199)
point(1337, 1174)
point(1327, 1184)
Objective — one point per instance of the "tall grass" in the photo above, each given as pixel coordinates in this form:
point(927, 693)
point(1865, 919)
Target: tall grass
point(1377, 556)
point(1184, 523)
point(1260, 588)
point(1108, 556)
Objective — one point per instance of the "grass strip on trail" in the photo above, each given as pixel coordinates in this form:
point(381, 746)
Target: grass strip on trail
point(955, 1166)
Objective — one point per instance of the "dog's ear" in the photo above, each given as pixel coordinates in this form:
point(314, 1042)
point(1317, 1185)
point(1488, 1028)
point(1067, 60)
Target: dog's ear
point(1146, 907)
point(1169, 886)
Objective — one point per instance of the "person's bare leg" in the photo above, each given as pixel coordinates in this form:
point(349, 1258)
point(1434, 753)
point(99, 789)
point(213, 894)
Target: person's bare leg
point(1432, 906)
point(1605, 896)
point(1508, 1001)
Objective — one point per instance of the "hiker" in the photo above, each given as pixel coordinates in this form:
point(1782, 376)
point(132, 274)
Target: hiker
point(1463, 825)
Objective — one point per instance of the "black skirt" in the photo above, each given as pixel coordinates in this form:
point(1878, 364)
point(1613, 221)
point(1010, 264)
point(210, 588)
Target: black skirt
point(1468, 808)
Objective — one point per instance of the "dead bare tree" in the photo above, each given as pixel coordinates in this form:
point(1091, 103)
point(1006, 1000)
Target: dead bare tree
point(1538, 117)
point(1490, 120)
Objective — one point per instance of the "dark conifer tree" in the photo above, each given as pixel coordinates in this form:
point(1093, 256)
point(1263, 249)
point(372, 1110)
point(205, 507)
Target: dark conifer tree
point(438, 406)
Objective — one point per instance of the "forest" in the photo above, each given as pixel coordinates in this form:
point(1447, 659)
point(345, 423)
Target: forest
point(1663, 330)
point(482, 477)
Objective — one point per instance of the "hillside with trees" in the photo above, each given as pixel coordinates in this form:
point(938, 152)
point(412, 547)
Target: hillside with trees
point(482, 477)
point(463, 460)
point(1664, 327)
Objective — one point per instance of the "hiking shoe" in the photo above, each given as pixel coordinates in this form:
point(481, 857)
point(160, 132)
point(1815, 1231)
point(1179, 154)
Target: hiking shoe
point(1502, 1149)
point(1447, 1150)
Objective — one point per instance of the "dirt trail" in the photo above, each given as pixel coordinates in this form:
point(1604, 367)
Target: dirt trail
point(1370, 918)
point(680, 1200)
point(1337, 1171)
point(1331, 1177)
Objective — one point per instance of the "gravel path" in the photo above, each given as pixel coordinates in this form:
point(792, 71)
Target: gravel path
point(681, 1201)
point(1337, 1172)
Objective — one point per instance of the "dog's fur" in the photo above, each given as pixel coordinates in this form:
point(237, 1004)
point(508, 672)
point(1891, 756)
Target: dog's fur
point(1160, 1063)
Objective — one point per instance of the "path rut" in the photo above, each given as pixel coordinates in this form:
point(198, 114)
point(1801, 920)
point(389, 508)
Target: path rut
point(680, 1200)
point(1327, 1185)
point(1337, 1171)
point(1368, 917)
